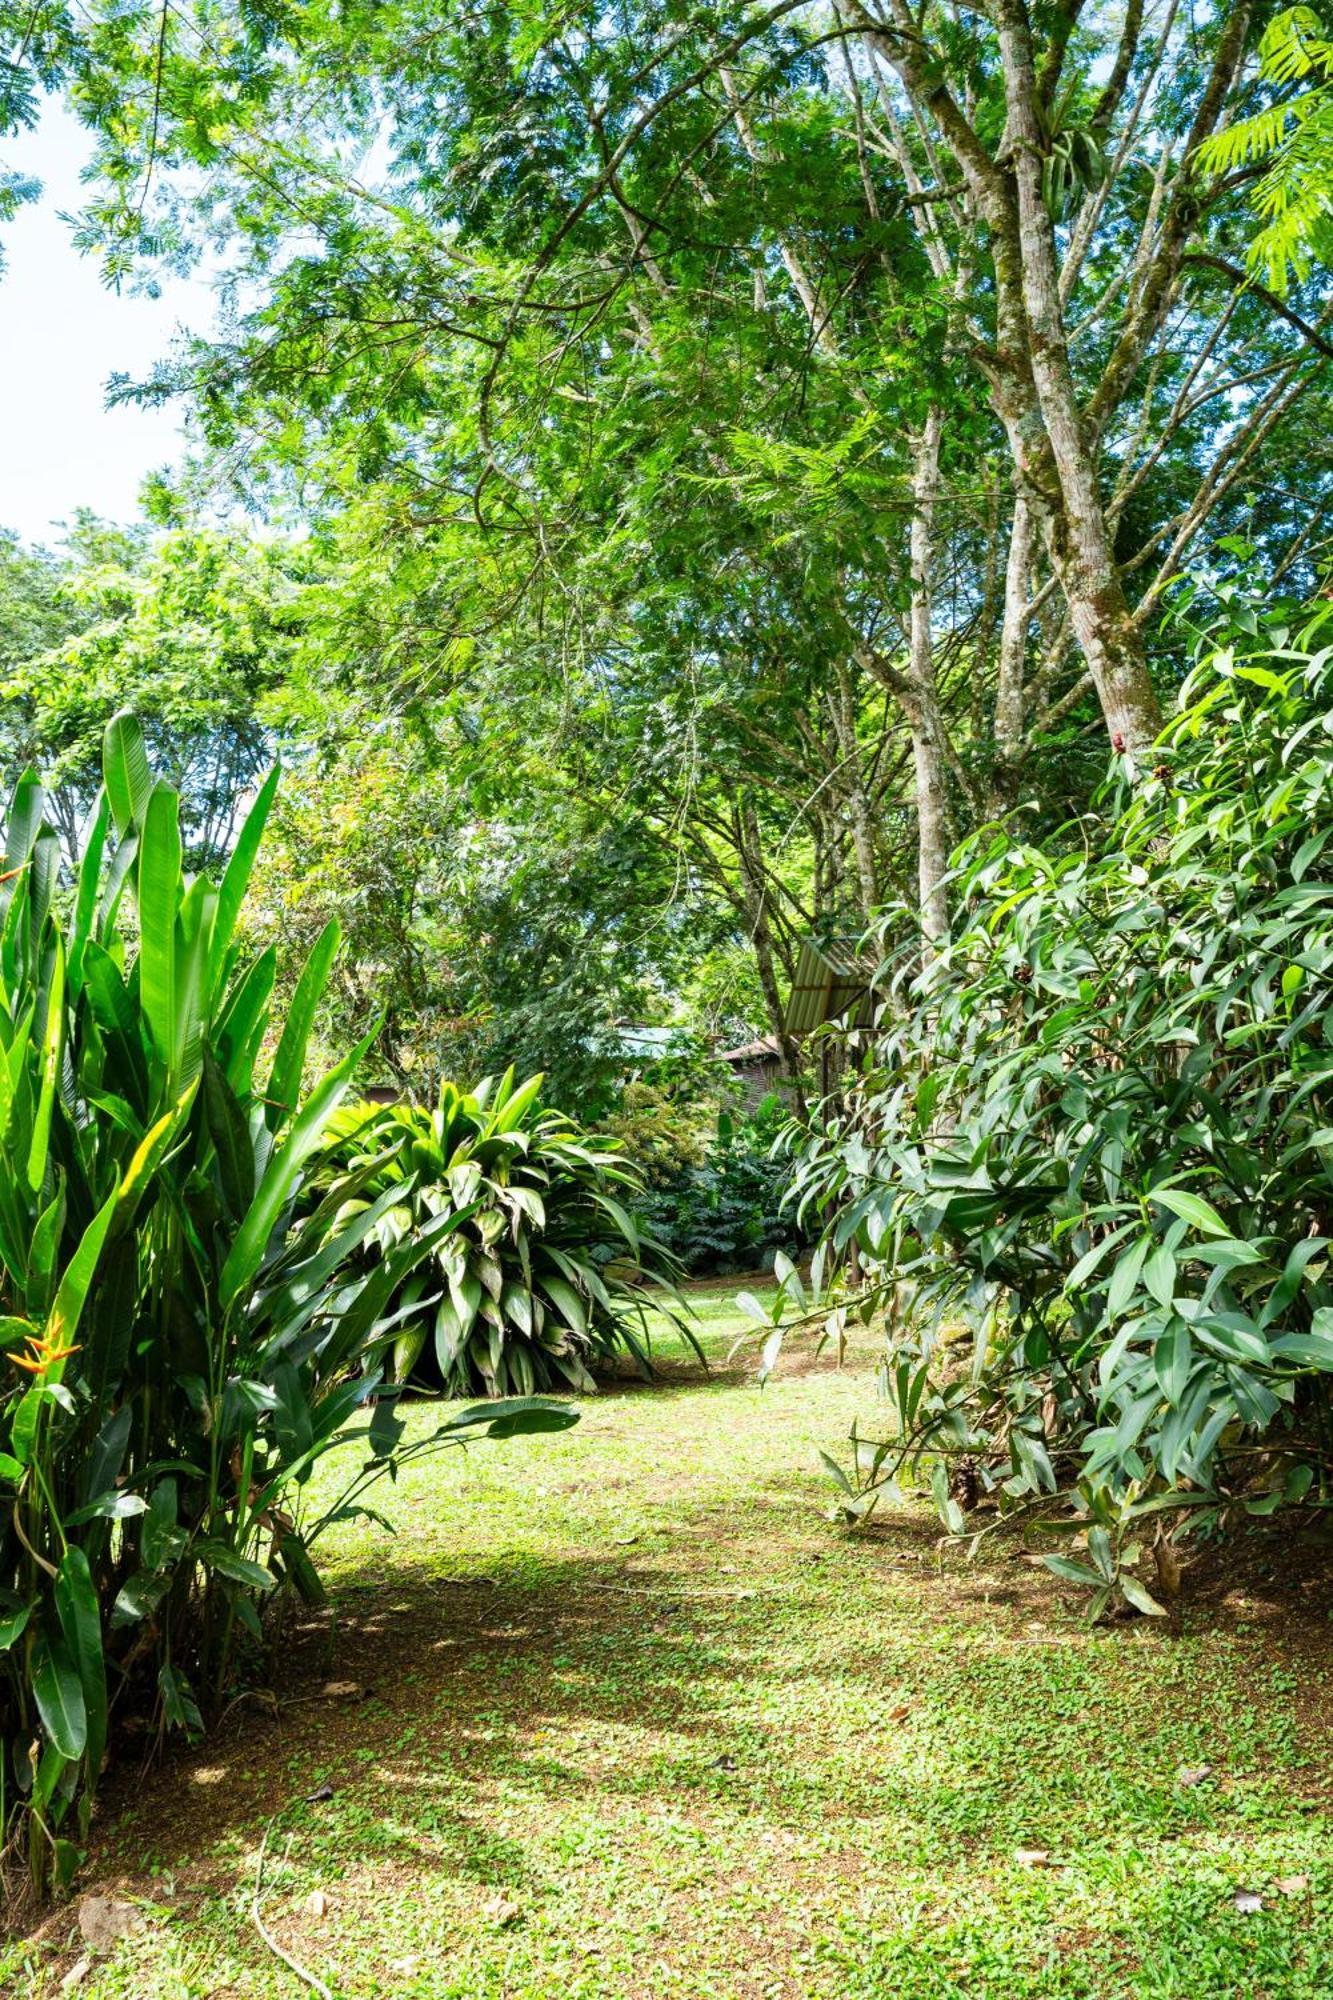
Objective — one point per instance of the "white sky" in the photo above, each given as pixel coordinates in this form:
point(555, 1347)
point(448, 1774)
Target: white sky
point(62, 335)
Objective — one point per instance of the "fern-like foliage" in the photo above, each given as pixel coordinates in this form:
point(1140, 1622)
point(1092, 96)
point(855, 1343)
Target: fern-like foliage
point(1294, 136)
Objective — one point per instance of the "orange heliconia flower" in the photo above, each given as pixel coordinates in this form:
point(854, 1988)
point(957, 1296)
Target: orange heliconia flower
point(41, 1355)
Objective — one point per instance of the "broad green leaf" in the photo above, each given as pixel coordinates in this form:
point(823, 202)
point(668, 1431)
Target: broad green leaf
point(1191, 1208)
point(159, 896)
point(1173, 1359)
point(1139, 1597)
point(85, 899)
point(81, 1624)
point(63, 1321)
point(58, 1693)
point(53, 1042)
point(236, 878)
point(125, 772)
point(1073, 1572)
point(284, 1084)
point(306, 1132)
point(239, 1569)
point(13, 1624)
point(566, 1302)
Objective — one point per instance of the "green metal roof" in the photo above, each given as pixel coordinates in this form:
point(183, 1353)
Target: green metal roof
point(832, 983)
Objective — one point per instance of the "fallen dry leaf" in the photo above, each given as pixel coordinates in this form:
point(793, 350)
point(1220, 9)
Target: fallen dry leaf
point(1292, 1885)
point(901, 1713)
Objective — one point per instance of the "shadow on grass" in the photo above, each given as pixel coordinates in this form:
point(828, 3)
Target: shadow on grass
point(829, 1681)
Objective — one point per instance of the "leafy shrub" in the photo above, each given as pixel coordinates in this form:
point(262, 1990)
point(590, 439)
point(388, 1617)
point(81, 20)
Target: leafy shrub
point(177, 1339)
point(662, 1131)
point(1097, 1139)
point(539, 1276)
point(728, 1211)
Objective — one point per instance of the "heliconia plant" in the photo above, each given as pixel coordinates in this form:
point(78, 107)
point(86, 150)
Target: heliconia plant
point(545, 1275)
point(181, 1337)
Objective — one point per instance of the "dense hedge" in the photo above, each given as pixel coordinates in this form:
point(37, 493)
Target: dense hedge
point(1095, 1139)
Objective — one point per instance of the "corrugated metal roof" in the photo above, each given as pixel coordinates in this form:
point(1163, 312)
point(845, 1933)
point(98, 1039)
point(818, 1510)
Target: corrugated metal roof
point(832, 984)
point(758, 1051)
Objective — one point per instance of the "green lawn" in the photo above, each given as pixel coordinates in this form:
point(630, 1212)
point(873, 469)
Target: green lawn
point(638, 1721)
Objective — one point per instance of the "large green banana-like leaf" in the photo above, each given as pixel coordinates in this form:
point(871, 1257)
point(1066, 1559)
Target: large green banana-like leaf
point(148, 1156)
point(229, 1131)
point(63, 1320)
point(236, 878)
point(118, 1023)
point(59, 1696)
point(284, 1084)
point(307, 1130)
point(85, 898)
point(159, 934)
point(129, 782)
point(122, 869)
point(190, 1009)
point(81, 1624)
point(53, 1038)
point(43, 874)
point(240, 1029)
point(27, 808)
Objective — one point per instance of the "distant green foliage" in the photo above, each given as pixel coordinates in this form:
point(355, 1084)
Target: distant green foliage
point(195, 633)
point(539, 1275)
point(179, 1344)
point(1098, 1142)
point(726, 1210)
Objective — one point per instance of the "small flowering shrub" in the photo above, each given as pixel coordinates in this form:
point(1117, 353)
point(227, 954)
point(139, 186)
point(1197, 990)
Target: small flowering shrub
point(1089, 1165)
point(181, 1339)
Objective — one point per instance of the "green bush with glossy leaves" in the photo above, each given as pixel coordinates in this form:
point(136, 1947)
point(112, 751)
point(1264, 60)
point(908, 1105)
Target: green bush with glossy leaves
point(1090, 1161)
point(543, 1277)
point(182, 1334)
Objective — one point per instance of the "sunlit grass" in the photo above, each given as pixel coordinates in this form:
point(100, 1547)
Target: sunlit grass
point(640, 1721)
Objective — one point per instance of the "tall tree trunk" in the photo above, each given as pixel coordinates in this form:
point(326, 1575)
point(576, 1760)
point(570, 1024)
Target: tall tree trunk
point(922, 703)
point(1079, 540)
point(1010, 707)
point(1029, 369)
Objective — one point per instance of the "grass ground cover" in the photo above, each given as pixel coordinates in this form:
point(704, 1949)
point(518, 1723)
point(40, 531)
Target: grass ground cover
point(619, 1713)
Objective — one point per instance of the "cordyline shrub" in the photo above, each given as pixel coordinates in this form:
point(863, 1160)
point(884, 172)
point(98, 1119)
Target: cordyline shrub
point(541, 1278)
point(179, 1342)
point(1096, 1141)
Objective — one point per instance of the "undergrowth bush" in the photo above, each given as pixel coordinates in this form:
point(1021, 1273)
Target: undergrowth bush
point(1095, 1140)
point(725, 1209)
point(180, 1342)
point(542, 1274)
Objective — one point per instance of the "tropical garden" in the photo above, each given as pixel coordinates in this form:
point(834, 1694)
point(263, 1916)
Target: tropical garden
point(666, 1011)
